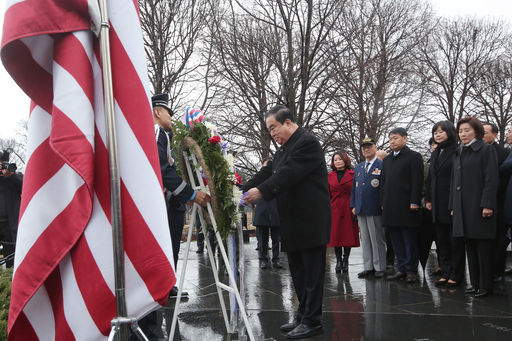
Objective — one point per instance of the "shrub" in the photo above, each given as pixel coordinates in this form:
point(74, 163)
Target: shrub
point(5, 298)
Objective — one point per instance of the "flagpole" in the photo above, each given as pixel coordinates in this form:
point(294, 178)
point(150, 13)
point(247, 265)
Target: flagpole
point(115, 180)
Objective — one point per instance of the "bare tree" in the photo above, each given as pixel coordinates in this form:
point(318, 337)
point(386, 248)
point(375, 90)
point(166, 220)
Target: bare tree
point(375, 85)
point(172, 30)
point(270, 52)
point(493, 92)
point(452, 57)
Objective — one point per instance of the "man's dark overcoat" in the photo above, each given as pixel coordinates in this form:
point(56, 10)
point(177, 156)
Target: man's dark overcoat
point(474, 187)
point(506, 170)
point(402, 185)
point(501, 154)
point(297, 178)
point(438, 183)
point(266, 213)
point(12, 188)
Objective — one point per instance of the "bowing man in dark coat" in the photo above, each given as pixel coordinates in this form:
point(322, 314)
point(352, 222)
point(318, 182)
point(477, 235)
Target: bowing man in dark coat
point(402, 183)
point(501, 242)
point(450, 250)
point(473, 199)
point(297, 177)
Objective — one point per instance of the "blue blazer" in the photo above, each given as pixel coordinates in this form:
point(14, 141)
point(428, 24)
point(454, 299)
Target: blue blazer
point(365, 197)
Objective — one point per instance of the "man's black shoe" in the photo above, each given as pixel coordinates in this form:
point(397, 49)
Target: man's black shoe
point(412, 278)
point(380, 274)
point(508, 272)
point(365, 273)
point(497, 278)
point(263, 264)
point(482, 293)
point(437, 272)
point(288, 327)
point(303, 330)
point(470, 290)
point(200, 251)
point(174, 292)
point(277, 265)
point(397, 276)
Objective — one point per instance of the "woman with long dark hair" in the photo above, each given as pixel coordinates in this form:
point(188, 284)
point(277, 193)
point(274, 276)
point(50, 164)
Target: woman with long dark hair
point(344, 229)
point(473, 200)
point(450, 250)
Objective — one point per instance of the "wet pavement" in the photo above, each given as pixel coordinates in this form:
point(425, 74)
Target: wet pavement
point(354, 308)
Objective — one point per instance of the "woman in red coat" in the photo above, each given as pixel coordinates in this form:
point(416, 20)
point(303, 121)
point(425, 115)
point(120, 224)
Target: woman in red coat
point(344, 229)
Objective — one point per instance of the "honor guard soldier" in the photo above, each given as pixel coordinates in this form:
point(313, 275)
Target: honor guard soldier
point(177, 191)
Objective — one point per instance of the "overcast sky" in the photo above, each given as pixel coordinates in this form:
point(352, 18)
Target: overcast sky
point(14, 104)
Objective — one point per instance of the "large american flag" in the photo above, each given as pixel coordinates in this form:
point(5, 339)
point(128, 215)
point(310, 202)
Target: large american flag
point(63, 285)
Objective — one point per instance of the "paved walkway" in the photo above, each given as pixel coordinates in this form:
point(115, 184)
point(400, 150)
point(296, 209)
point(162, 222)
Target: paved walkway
point(354, 309)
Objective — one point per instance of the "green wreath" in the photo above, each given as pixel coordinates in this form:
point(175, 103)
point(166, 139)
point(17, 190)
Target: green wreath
point(214, 166)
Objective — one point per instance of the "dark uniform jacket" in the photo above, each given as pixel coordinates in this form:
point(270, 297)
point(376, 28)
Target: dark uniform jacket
point(474, 187)
point(11, 186)
point(438, 183)
point(179, 189)
point(297, 178)
point(506, 170)
point(401, 186)
point(365, 196)
point(266, 213)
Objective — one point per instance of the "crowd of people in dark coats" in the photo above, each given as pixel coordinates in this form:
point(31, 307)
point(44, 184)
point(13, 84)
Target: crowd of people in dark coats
point(462, 194)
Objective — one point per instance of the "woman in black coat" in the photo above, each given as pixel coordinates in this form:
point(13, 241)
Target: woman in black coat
point(473, 197)
point(450, 249)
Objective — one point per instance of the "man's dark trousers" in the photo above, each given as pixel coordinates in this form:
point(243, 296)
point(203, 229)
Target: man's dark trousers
point(7, 243)
point(262, 233)
point(176, 220)
point(307, 268)
point(405, 245)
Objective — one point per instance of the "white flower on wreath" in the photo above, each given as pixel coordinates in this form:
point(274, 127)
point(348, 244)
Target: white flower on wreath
point(212, 129)
point(237, 197)
point(230, 159)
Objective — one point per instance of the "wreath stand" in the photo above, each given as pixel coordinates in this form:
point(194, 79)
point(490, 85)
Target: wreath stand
point(237, 301)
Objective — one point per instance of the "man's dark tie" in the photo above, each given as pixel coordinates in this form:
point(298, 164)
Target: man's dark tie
point(366, 167)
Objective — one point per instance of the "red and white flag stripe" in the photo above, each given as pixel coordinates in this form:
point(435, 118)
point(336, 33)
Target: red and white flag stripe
point(63, 285)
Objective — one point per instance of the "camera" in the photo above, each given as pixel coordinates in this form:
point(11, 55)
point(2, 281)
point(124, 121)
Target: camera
point(11, 167)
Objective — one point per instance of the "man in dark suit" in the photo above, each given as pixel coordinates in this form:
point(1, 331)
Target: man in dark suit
point(266, 220)
point(365, 204)
point(506, 170)
point(401, 189)
point(501, 242)
point(10, 199)
point(297, 178)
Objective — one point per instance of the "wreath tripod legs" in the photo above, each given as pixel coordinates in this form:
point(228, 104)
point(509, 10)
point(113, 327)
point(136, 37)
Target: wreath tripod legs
point(232, 287)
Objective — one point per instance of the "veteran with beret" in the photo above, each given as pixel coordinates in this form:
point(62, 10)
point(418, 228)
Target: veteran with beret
point(365, 204)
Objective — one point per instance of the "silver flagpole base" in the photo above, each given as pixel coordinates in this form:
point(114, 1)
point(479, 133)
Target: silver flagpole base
point(132, 322)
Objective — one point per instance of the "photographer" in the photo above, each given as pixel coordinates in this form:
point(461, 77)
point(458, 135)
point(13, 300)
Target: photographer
point(10, 198)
